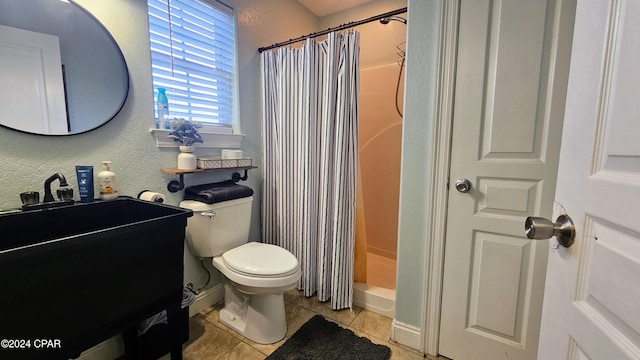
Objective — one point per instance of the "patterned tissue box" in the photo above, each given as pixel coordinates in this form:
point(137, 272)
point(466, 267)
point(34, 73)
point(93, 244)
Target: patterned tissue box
point(218, 163)
point(229, 163)
point(210, 163)
point(244, 162)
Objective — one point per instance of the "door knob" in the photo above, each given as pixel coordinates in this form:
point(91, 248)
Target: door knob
point(463, 185)
point(541, 228)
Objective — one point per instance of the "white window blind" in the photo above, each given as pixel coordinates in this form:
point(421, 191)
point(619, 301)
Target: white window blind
point(193, 56)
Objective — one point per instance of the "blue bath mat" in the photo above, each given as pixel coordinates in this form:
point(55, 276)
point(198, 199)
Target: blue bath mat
point(320, 339)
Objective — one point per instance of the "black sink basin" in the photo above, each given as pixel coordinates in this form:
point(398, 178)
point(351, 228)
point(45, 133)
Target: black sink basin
point(83, 273)
point(64, 220)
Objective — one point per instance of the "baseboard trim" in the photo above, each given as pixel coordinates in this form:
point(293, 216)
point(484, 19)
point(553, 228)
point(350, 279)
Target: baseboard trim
point(405, 334)
point(207, 298)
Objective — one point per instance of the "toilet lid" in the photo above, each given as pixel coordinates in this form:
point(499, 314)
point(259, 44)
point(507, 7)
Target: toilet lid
point(258, 259)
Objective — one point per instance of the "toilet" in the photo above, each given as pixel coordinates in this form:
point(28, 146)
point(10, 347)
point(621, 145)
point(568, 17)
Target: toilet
point(256, 275)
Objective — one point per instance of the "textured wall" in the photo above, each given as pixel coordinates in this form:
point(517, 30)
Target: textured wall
point(416, 135)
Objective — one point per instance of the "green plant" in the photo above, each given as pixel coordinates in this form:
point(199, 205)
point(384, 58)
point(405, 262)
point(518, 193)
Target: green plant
point(185, 132)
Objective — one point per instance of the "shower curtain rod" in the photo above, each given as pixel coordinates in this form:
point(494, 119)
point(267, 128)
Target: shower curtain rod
point(337, 28)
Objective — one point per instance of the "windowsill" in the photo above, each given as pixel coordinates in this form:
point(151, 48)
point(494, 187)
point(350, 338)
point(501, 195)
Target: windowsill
point(211, 139)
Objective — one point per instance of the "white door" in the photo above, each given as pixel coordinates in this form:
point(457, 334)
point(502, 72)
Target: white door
point(592, 295)
point(512, 67)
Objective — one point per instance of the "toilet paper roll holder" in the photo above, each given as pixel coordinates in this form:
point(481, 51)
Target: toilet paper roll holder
point(144, 191)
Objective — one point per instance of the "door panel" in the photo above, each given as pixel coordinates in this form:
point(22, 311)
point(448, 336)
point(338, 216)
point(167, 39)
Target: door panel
point(509, 102)
point(31, 70)
point(593, 288)
point(503, 259)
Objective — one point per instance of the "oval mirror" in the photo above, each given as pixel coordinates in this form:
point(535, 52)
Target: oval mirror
point(61, 70)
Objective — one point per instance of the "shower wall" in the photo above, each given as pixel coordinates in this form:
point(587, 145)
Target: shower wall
point(380, 138)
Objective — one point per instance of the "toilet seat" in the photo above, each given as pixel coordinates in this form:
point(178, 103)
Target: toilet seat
point(251, 284)
point(260, 260)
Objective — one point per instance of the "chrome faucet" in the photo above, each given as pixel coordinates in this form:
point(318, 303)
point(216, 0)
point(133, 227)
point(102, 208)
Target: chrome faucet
point(48, 197)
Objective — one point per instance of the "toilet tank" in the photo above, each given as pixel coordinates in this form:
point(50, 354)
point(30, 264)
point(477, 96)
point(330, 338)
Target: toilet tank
point(215, 228)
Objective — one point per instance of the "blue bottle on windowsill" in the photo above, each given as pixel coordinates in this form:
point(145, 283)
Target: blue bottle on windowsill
point(163, 110)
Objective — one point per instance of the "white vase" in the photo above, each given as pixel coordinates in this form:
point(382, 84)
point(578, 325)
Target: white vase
point(186, 158)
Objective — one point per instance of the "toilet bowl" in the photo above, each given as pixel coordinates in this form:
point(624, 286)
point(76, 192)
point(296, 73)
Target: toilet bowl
point(256, 275)
point(253, 299)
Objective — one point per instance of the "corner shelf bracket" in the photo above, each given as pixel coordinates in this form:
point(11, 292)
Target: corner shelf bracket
point(174, 185)
point(236, 176)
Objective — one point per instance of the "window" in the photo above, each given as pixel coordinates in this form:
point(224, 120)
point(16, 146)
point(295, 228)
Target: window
point(193, 56)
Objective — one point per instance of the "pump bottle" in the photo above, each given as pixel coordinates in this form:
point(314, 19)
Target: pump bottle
point(107, 181)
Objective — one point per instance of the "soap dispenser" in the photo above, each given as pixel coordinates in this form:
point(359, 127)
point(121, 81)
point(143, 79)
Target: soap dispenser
point(107, 181)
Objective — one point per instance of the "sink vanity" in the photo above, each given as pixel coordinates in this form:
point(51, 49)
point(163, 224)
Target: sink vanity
point(83, 273)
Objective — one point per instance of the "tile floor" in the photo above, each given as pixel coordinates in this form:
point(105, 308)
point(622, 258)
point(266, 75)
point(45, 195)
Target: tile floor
point(209, 339)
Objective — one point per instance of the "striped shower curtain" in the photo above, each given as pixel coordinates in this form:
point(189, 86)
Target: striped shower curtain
point(310, 122)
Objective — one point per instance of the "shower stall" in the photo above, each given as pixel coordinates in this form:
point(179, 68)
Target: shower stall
point(378, 186)
point(382, 54)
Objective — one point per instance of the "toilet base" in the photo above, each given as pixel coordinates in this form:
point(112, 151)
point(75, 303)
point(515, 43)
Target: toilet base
point(260, 317)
